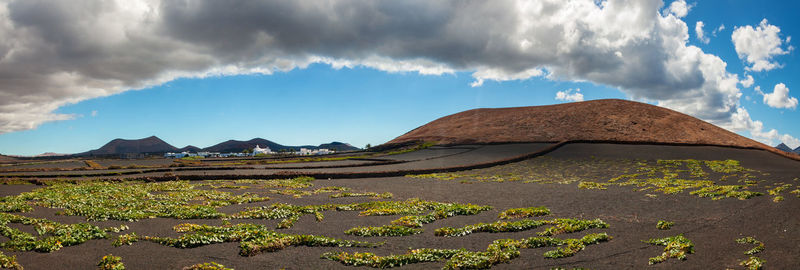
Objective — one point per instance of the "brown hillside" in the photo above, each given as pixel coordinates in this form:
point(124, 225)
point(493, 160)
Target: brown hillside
point(609, 120)
point(7, 159)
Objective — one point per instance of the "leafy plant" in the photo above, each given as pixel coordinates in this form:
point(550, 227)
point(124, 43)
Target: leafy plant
point(495, 227)
point(134, 200)
point(524, 212)
point(560, 226)
point(93, 165)
point(9, 262)
point(750, 240)
point(664, 225)
point(385, 195)
point(111, 262)
point(125, 239)
point(207, 266)
point(675, 247)
point(725, 191)
point(753, 263)
point(499, 251)
point(592, 185)
point(388, 230)
point(413, 207)
point(53, 235)
point(253, 238)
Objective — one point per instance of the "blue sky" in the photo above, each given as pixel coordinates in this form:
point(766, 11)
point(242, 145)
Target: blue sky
point(366, 86)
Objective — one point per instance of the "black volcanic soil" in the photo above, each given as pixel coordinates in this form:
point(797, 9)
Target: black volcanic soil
point(711, 225)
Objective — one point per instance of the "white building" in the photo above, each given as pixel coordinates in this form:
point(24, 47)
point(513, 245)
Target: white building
point(308, 152)
point(176, 155)
point(259, 150)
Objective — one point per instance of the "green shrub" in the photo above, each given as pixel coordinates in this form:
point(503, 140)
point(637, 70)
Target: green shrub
point(675, 247)
point(9, 262)
point(52, 235)
point(207, 266)
point(664, 225)
point(500, 251)
point(750, 240)
point(111, 262)
point(385, 195)
point(125, 239)
point(524, 212)
point(753, 263)
point(388, 230)
point(253, 238)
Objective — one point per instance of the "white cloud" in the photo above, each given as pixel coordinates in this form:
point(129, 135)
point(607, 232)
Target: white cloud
point(757, 46)
point(743, 122)
point(61, 52)
point(679, 8)
point(94, 113)
point(749, 81)
point(494, 74)
point(718, 29)
point(698, 30)
point(779, 98)
point(572, 95)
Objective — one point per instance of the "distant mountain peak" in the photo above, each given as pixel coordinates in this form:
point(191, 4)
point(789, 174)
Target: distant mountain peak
point(119, 146)
point(154, 145)
point(784, 147)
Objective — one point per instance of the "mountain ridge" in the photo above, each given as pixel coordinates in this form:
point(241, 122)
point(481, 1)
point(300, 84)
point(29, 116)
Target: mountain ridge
point(154, 145)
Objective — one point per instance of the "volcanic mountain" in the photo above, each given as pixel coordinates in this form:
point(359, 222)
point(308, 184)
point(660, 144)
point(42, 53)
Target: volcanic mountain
point(190, 148)
point(607, 120)
point(150, 144)
point(784, 147)
point(338, 146)
point(238, 146)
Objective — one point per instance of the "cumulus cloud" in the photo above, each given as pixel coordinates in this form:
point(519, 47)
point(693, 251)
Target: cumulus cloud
point(572, 95)
point(757, 46)
point(59, 52)
point(742, 121)
point(779, 98)
point(747, 82)
point(679, 8)
point(701, 35)
point(717, 30)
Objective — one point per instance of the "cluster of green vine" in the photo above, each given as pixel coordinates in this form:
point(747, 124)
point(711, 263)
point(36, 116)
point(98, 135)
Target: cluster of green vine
point(776, 192)
point(670, 181)
point(666, 176)
point(664, 225)
point(130, 200)
point(207, 266)
point(560, 226)
point(499, 251)
point(524, 212)
point(374, 195)
point(292, 187)
point(52, 235)
point(9, 262)
point(752, 263)
point(411, 207)
point(387, 230)
point(253, 238)
point(675, 247)
point(111, 262)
